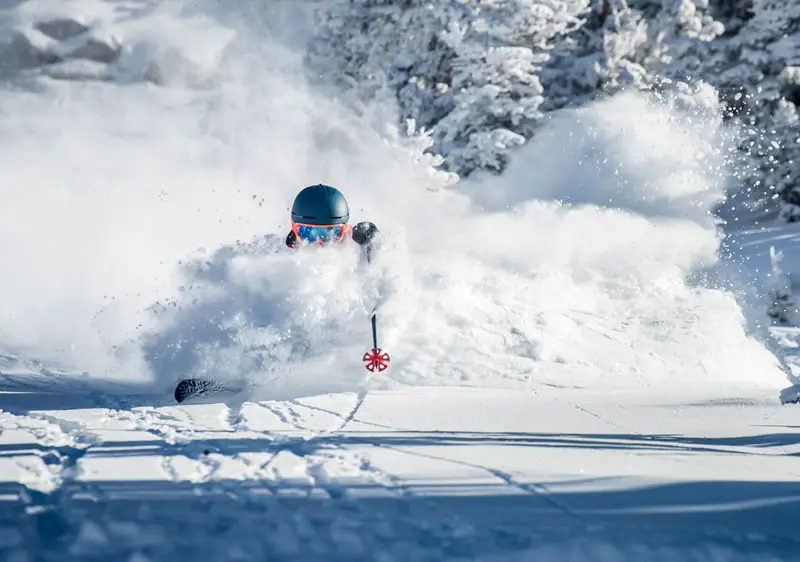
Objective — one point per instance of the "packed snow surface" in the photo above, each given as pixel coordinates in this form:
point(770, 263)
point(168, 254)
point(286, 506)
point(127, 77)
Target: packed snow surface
point(574, 374)
point(422, 474)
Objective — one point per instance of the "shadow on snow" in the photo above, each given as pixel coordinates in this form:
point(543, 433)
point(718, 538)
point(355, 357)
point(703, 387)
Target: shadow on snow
point(269, 520)
point(296, 518)
point(317, 517)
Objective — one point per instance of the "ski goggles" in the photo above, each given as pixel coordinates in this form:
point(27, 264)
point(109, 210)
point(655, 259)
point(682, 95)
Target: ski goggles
point(320, 234)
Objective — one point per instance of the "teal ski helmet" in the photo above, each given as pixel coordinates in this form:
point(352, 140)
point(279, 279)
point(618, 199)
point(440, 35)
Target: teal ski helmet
point(320, 205)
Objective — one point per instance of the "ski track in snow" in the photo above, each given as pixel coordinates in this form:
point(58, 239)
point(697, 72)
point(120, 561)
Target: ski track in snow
point(277, 454)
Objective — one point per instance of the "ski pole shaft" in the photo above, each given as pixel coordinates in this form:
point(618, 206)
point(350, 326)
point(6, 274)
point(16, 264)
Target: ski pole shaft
point(376, 360)
point(374, 330)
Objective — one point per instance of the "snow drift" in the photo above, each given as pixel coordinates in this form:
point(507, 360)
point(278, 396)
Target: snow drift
point(143, 227)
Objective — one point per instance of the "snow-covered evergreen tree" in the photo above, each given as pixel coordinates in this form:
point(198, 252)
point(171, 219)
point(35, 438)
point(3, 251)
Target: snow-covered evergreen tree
point(468, 70)
point(638, 43)
point(769, 46)
point(755, 66)
point(783, 307)
point(479, 74)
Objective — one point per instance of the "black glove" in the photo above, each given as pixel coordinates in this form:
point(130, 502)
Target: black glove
point(364, 232)
point(291, 239)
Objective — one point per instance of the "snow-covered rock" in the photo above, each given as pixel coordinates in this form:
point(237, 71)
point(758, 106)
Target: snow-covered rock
point(62, 42)
point(61, 29)
point(791, 395)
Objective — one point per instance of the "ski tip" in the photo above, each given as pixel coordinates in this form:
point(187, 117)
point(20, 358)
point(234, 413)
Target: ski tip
point(201, 388)
point(189, 388)
point(185, 389)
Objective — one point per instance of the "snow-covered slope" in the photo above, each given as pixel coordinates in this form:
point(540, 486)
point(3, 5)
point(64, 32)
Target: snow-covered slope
point(427, 474)
point(616, 385)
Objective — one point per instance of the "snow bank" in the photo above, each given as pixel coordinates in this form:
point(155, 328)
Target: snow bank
point(108, 276)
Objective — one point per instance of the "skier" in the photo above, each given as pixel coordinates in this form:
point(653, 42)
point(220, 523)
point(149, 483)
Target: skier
point(321, 216)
